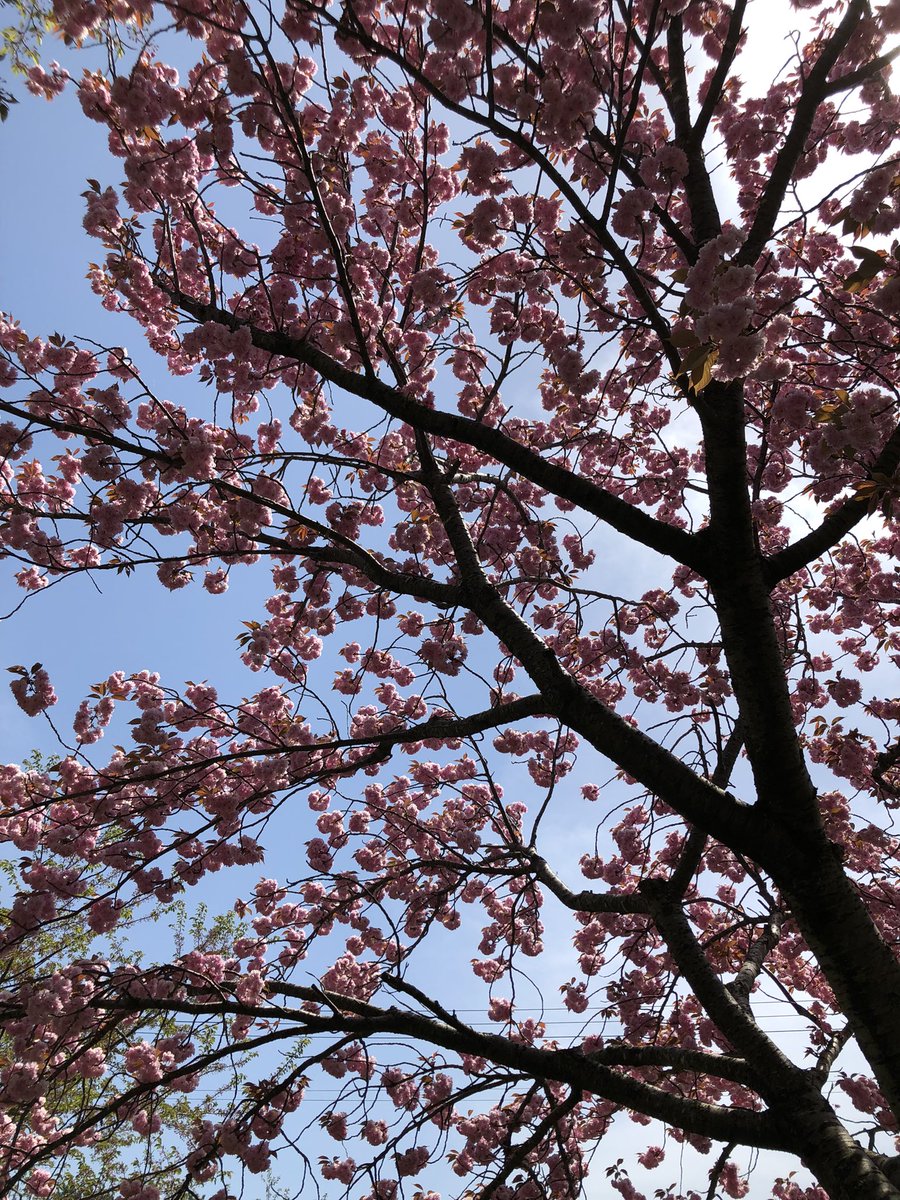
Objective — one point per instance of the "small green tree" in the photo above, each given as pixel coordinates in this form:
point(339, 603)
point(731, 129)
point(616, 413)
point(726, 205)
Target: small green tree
point(139, 1138)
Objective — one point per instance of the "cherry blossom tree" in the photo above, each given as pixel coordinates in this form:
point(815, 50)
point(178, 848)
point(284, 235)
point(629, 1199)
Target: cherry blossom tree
point(550, 368)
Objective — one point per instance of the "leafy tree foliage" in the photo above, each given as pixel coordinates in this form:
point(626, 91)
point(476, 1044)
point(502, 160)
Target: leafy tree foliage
point(550, 366)
point(125, 1149)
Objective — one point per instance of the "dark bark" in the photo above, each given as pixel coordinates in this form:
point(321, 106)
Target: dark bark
point(842, 1167)
point(815, 89)
point(749, 638)
point(835, 526)
point(860, 967)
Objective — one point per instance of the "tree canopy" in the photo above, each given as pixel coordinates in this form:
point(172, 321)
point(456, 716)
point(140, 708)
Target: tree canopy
point(487, 310)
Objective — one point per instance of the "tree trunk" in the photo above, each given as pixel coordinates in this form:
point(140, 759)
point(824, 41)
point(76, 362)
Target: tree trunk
point(841, 1166)
point(860, 967)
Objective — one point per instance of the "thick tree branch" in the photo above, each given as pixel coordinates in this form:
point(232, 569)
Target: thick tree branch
point(814, 91)
point(742, 985)
point(862, 74)
point(696, 840)
point(678, 1058)
point(705, 218)
point(585, 901)
point(357, 1019)
point(748, 634)
point(559, 481)
point(729, 1014)
point(518, 1154)
point(720, 75)
point(718, 1167)
point(650, 763)
point(442, 595)
point(835, 526)
point(829, 1055)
